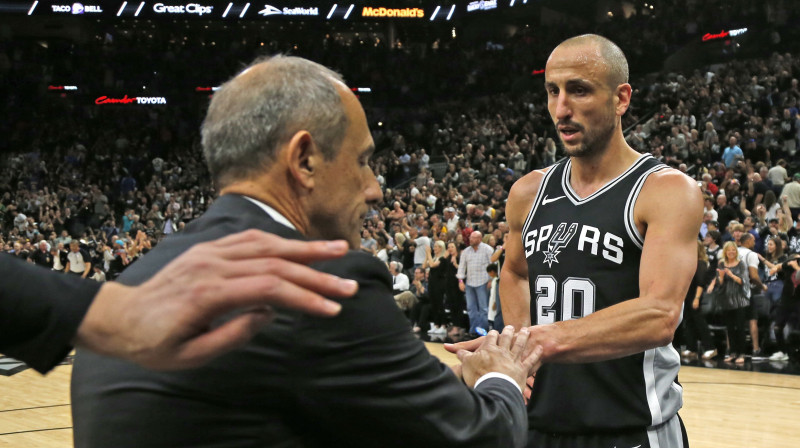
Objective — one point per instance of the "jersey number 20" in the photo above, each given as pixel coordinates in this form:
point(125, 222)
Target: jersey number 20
point(580, 290)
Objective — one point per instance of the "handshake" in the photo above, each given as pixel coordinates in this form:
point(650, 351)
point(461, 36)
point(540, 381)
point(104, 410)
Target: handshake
point(508, 353)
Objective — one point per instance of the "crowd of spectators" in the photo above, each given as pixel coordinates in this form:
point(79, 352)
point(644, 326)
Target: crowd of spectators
point(108, 190)
point(116, 182)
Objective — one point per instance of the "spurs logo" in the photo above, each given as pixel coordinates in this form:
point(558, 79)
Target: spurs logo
point(560, 240)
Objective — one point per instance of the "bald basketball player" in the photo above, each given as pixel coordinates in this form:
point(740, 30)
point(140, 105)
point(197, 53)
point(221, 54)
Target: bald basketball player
point(599, 258)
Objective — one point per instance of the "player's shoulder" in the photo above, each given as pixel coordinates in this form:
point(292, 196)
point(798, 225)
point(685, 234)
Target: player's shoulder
point(668, 181)
point(671, 194)
point(528, 184)
point(522, 195)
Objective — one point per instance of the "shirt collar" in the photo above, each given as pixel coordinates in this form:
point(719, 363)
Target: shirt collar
point(272, 213)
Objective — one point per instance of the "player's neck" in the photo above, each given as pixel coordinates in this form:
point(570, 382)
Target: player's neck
point(589, 174)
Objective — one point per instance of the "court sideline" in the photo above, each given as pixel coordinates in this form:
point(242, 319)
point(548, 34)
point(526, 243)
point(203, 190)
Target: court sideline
point(722, 408)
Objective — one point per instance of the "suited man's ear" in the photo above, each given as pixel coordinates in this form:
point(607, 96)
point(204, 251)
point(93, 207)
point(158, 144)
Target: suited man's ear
point(303, 158)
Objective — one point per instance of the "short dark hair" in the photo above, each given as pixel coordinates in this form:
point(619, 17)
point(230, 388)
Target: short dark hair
point(612, 55)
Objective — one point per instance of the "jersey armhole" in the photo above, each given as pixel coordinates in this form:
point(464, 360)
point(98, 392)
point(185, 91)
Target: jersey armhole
point(630, 205)
point(538, 199)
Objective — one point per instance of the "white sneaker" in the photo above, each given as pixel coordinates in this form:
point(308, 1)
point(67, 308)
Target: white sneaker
point(779, 356)
point(441, 331)
point(708, 354)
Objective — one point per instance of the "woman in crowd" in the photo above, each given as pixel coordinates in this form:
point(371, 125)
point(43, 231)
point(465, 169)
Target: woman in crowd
point(460, 244)
point(732, 287)
point(382, 248)
point(397, 251)
point(694, 324)
point(455, 301)
point(771, 204)
point(437, 283)
point(774, 280)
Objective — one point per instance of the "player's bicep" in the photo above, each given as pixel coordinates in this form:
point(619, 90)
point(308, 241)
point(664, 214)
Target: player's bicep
point(515, 255)
point(669, 255)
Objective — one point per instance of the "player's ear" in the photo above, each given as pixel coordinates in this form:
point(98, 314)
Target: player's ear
point(622, 98)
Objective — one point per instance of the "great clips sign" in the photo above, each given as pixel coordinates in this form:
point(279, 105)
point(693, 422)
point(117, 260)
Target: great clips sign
point(723, 34)
point(189, 8)
point(131, 100)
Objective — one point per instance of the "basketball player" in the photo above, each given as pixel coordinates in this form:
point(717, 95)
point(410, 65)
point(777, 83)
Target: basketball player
point(599, 258)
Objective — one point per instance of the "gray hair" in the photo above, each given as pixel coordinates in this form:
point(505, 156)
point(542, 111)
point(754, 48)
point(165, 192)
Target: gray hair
point(262, 107)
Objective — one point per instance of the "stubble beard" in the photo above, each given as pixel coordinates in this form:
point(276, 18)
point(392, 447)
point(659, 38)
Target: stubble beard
point(594, 142)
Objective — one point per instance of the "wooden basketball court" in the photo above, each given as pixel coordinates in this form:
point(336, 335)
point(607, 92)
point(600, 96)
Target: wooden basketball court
point(722, 408)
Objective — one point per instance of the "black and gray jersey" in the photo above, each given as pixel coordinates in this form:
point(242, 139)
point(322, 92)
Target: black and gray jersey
point(583, 255)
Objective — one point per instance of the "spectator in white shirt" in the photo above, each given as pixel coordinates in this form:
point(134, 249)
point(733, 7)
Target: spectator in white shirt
point(451, 219)
point(778, 175)
point(472, 267)
point(400, 284)
point(423, 241)
point(78, 261)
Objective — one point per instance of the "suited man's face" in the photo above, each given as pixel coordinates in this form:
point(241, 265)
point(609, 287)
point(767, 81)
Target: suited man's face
point(345, 187)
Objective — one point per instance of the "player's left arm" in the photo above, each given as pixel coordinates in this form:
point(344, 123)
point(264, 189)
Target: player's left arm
point(670, 208)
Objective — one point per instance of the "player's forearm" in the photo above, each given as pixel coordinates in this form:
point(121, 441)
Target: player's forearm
point(624, 329)
point(515, 299)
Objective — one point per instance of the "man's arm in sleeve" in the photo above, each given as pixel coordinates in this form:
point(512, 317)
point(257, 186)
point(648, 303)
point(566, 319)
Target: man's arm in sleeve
point(461, 273)
point(164, 324)
point(40, 311)
point(384, 385)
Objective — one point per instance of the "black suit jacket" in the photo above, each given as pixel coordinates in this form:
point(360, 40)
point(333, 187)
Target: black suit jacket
point(40, 311)
point(360, 379)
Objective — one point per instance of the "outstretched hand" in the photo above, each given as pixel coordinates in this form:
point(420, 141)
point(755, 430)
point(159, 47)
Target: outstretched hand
point(502, 353)
point(469, 346)
point(166, 323)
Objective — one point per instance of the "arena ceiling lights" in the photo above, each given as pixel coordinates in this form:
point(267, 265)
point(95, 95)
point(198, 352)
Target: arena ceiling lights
point(264, 10)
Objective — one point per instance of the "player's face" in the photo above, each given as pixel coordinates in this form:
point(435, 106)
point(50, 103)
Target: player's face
point(580, 102)
point(345, 186)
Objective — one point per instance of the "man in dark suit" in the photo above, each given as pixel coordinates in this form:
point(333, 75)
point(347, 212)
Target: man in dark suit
point(43, 314)
point(288, 145)
point(41, 256)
